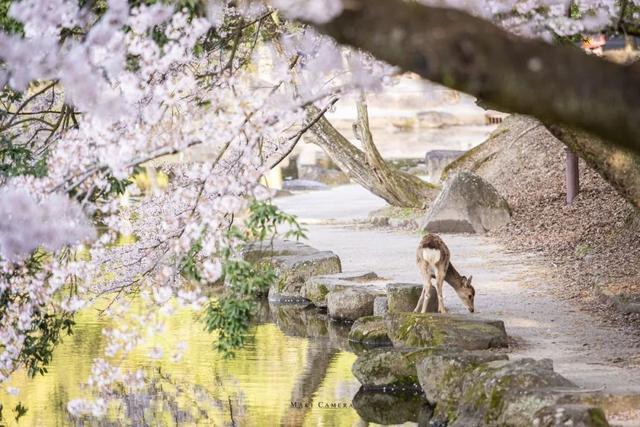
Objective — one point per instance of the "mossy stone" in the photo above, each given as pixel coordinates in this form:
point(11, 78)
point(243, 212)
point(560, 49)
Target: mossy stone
point(370, 331)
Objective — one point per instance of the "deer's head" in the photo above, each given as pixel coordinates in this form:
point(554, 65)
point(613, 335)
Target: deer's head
point(467, 293)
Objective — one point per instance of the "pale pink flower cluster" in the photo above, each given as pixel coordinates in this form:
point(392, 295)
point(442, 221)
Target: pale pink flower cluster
point(230, 120)
point(27, 223)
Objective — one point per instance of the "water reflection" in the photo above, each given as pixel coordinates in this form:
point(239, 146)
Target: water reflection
point(392, 408)
point(295, 370)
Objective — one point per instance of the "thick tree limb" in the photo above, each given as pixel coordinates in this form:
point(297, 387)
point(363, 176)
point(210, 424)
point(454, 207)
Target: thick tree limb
point(368, 168)
point(619, 167)
point(557, 84)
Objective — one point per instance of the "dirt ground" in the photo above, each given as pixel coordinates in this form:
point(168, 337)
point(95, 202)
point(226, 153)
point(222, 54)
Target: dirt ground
point(592, 245)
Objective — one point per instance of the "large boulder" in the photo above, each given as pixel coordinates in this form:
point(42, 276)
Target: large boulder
point(388, 408)
point(294, 263)
point(478, 392)
point(370, 331)
point(442, 376)
point(404, 297)
point(350, 304)
point(316, 288)
point(466, 332)
point(466, 204)
point(390, 369)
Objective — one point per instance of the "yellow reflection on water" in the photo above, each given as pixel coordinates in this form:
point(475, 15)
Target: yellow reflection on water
point(258, 386)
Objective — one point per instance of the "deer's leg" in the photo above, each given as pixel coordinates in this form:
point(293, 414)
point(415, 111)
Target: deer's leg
point(439, 282)
point(424, 287)
point(425, 291)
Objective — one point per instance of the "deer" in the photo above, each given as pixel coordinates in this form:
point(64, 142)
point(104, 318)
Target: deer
point(434, 261)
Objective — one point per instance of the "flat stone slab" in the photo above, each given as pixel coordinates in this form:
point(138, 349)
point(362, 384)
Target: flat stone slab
point(316, 288)
point(294, 263)
point(350, 304)
point(465, 332)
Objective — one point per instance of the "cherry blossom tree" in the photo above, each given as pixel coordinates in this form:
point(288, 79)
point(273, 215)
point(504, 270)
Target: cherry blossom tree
point(94, 92)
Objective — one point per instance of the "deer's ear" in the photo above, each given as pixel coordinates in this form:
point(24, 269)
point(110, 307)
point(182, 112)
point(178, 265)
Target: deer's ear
point(469, 280)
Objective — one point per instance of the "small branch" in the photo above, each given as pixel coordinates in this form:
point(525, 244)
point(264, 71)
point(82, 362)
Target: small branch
point(296, 138)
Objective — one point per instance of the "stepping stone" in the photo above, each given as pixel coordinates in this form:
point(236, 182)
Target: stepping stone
point(370, 331)
point(316, 288)
point(294, 263)
point(350, 304)
point(466, 332)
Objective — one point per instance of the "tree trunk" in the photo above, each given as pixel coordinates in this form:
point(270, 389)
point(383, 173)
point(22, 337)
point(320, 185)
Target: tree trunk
point(558, 84)
point(368, 168)
point(619, 167)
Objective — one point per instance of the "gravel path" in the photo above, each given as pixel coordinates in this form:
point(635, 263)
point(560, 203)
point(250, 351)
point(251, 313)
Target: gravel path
point(515, 288)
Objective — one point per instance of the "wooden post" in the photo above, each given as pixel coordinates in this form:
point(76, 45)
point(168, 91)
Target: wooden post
point(572, 175)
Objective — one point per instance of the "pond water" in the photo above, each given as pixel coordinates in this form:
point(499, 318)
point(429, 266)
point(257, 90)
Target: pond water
point(296, 370)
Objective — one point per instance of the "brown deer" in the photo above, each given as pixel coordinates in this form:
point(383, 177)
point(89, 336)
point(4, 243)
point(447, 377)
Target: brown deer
point(434, 261)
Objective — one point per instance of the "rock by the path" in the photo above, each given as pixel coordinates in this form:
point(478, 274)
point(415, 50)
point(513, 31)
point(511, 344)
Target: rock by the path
point(304, 185)
point(573, 415)
point(391, 408)
point(466, 204)
point(316, 288)
point(389, 368)
point(490, 393)
point(443, 376)
point(437, 160)
point(294, 263)
point(403, 297)
point(370, 331)
point(467, 332)
point(380, 306)
point(350, 304)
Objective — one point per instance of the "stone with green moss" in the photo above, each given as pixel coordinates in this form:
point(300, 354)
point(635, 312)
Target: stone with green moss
point(389, 368)
point(294, 263)
point(467, 332)
point(442, 376)
point(370, 331)
point(570, 415)
point(505, 393)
